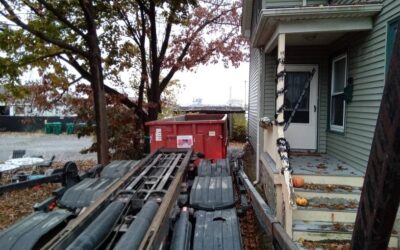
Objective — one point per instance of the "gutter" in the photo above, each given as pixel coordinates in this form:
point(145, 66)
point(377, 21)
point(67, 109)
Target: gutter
point(258, 153)
point(260, 98)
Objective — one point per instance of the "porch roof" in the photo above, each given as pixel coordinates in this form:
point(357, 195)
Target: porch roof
point(312, 25)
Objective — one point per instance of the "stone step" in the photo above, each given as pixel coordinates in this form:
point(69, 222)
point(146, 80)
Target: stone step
point(309, 193)
point(347, 215)
point(323, 231)
point(356, 181)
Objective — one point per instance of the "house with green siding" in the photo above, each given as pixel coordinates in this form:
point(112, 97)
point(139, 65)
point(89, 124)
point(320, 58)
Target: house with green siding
point(335, 55)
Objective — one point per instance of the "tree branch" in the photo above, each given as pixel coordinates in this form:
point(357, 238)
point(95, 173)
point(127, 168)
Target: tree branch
point(66, 90)
point(142, 6)
point(164, 45)
point(86, 75)
point(142, 46)
point(185, 49)
point(62, 19)
point(153, 39)
point(32, 8)
point(125, 100)
point(71, 61)
point(14, 18)
point(130, 28)
point(55, 54)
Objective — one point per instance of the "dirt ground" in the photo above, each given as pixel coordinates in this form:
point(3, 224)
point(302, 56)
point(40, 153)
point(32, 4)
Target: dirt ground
point(253, 236)
point(17, 204)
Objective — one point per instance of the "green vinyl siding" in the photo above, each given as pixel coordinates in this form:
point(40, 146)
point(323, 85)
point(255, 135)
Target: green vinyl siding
point(367, 60)
point(342, 2)
point(291, 3)
point(282, 3)
point(269, 85)
point(269, 4)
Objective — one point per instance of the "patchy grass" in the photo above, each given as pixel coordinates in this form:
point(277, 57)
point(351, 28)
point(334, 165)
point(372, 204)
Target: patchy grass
point(239, 125)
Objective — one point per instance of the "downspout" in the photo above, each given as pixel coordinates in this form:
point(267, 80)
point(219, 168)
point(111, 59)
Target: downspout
point(258, 149)
point(260, 98)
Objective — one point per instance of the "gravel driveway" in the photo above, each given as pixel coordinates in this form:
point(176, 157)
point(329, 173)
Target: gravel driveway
point(64, 147)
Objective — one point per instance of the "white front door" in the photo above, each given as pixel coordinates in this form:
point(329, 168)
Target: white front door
point(302, 132)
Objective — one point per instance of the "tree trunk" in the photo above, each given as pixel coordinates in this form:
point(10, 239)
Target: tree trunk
point(153, 113)
point(153, 97)
point(97, 85)
point(100, 110)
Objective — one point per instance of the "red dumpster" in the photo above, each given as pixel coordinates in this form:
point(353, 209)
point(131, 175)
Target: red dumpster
point(207, 133)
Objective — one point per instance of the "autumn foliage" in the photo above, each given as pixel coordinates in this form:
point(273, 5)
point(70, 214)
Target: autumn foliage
point(140, 46)
point(125, 131)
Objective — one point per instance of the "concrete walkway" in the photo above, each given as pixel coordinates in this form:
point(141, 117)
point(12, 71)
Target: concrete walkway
point(64, 147)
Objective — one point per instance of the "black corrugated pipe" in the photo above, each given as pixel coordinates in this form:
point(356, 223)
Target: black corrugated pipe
point(136, 231)
point(182, 232)
point(94, 234)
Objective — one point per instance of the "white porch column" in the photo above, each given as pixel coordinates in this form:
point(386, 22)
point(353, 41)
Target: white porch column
point(280, 83)
point(12, 110)
point(285, 177)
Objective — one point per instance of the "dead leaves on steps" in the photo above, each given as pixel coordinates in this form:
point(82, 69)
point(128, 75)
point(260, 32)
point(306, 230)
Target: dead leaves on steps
point(328, 187)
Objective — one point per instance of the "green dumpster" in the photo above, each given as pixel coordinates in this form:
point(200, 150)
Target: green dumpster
point(57, 127)
point(70, 128)
point(82, 125)
point(48, 129)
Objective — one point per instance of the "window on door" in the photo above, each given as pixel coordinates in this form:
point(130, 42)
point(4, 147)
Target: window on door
point(338, 82)
point(295, 82)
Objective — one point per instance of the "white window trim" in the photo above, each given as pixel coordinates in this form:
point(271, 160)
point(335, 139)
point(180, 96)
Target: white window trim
point(333, 127)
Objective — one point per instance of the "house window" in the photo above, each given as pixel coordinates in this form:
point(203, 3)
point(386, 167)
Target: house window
point(338, 82)
point(19, 110)
point(391, 36)
point(4, 110)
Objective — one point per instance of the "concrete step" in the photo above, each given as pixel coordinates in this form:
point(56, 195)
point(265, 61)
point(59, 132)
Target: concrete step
point(318, 231)
point(347, 215)
point(356, 181)
point(309, 193)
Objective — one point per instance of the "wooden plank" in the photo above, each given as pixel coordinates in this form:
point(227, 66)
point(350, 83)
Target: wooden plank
point(380, 196)
point(154, 236)
point(88, 214)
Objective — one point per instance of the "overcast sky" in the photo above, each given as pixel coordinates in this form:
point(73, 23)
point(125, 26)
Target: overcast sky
point(213, 84)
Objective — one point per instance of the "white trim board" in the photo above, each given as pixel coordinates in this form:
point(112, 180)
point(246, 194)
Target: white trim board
point(313, 19)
